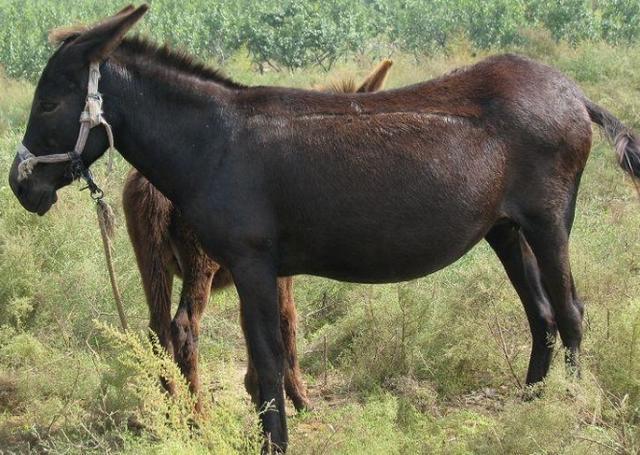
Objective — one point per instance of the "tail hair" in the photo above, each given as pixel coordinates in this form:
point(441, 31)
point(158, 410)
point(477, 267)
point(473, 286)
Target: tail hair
point(628, 150)
point(625, 142)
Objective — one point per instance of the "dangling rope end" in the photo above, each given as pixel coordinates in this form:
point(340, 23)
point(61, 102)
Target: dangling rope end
point(106, 220)
point(106, 217)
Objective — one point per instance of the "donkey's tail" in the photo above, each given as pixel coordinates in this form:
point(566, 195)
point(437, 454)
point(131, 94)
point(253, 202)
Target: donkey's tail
point(624, 140)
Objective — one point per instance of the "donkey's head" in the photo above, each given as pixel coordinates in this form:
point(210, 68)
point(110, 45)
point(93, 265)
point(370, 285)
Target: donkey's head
point(52, 135)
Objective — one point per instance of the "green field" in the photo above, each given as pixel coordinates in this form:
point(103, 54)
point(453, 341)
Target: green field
point(435, 365)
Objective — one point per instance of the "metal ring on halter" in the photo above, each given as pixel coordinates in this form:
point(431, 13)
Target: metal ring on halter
point(97, 195)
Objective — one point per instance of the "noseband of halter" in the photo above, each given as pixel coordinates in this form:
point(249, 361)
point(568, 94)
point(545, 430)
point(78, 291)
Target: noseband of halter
point(90, 117)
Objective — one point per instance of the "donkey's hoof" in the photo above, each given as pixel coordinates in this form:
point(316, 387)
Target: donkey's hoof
point(302, 404)
point(533, 391)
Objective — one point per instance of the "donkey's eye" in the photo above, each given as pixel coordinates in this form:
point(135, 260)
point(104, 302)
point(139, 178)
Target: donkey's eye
point(47, 106)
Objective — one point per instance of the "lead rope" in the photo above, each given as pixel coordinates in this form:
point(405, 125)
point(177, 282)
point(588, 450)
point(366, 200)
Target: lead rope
point(106, 221)
point(91, 117)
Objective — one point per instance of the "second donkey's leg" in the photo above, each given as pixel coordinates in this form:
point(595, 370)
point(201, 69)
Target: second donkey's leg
point(198, 271)
point(147, 225)
point(157, 281)
point(293, 383)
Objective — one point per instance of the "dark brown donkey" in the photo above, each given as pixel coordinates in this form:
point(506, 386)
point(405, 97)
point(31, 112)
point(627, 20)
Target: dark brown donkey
point(165, 246)
point(375, 188)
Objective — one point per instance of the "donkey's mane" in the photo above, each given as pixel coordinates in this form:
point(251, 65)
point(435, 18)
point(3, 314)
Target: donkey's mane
point(163, 55)
point(175, 59)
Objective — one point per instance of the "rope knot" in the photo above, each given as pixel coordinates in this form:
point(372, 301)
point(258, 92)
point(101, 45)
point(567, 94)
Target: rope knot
point(92, 113)
point(106, 218)
point(25, 168)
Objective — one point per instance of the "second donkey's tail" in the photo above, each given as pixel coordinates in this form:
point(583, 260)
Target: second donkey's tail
point(624, 140)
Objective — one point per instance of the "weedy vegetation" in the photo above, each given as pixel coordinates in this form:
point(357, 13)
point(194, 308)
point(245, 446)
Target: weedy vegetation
point(431, 366)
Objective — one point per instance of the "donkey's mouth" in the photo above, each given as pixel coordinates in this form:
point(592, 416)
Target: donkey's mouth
point(46, 202)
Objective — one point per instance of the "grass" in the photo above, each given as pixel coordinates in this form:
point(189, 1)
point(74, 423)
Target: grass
point(416, 367)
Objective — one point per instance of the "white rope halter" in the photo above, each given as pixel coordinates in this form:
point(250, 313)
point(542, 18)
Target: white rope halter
point(90, 117)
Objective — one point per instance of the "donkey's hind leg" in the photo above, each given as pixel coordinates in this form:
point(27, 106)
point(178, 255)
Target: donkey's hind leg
point(568, 222)
point(522, 268)
point(549, 240)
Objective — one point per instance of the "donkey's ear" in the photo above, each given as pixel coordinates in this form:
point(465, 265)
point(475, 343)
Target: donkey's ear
point(126, 9)
point(97, 42)
point(375, 81)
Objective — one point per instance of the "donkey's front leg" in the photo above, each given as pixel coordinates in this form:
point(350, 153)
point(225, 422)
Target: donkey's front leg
point(185, 327)
point(294, 386)
point(256, 283)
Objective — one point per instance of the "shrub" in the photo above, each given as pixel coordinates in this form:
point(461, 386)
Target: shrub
point(620, 20)
point(298, 33)
point(571, 20)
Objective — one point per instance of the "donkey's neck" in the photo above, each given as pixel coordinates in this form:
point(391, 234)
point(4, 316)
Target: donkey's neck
point(170, 130)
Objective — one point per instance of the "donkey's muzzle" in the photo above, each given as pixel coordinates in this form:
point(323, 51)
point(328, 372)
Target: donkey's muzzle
point(33, 197)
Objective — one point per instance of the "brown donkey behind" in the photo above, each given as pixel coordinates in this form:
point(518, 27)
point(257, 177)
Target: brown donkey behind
point(165, 247)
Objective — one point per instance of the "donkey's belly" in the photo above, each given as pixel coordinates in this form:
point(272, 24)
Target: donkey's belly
point(381, 255)
point(388, 269)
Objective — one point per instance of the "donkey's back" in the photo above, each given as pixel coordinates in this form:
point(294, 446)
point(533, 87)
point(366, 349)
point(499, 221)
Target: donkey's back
point(398, 184)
